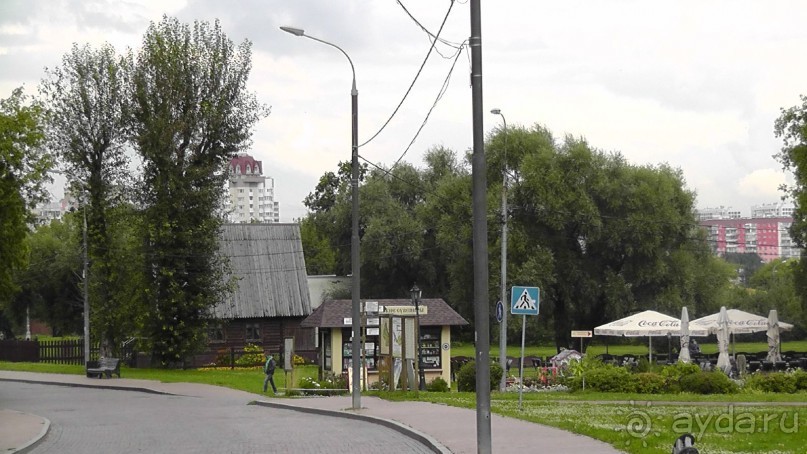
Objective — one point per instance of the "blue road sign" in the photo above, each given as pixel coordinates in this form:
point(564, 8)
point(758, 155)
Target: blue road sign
point(524, 300)
point(499, 311)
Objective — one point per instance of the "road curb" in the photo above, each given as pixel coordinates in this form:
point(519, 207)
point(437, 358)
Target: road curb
point(86, 385)
point(421, 437)
point(32, 443)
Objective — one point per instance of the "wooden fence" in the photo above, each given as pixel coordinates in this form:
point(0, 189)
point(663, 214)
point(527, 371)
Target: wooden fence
point(70, 351)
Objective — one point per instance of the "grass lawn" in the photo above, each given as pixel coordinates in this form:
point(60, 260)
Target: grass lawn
point(645, 429)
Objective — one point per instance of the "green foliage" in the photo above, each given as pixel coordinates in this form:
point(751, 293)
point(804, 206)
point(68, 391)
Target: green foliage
point(774, 382)
point(643, 365)
point(649, 383)
point(466, 377)
point(50, 285)
point(608, 378)
point(90, 142)
point(252, 356)
point(438, 385)
point(191, 113)
point(708, 383)
point(23, 166)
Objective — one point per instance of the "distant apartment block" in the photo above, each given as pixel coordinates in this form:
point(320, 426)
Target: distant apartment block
point(772, 210)
point(720, 212)
point(251, 194)
point(767, 236)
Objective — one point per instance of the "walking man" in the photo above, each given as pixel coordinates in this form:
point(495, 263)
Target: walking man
point(269, 371)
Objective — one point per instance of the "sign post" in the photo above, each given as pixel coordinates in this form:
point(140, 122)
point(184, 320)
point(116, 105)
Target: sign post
point(582, 335)
point(523, 301)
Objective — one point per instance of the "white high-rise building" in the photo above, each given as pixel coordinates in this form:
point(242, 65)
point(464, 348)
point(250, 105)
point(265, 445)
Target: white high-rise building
point(772, 210)
point(251, 194)
point(721, 212)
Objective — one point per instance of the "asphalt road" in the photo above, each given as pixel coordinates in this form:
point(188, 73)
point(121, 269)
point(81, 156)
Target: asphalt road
point(87, 420)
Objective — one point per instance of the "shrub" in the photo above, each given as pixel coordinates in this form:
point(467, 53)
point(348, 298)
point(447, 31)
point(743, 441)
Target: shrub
point(649, 383)
point(708, 383)
point(672, 375)
point(772, 382)
point(643, 365)
point(252, 356)
point(466, 377)
point(800, 377)
point(298, 360)
point(437, 385)
point(605, 379)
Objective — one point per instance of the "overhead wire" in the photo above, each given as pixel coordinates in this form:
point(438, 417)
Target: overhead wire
point(417, 75)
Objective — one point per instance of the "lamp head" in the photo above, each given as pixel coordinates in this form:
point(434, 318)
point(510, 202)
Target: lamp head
point(293, 31)
point(414, 292)
point(493, 111)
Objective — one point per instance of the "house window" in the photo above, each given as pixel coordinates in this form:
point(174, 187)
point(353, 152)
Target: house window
point(215, 333)
point(253, 331)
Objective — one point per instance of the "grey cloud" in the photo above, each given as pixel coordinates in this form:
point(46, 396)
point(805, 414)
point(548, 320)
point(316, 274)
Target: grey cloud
point(344, 22)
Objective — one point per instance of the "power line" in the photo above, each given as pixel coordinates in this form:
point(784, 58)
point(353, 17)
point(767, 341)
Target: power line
point(422, 65)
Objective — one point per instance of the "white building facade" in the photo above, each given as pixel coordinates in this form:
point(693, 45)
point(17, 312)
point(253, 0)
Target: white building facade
point(251, 193)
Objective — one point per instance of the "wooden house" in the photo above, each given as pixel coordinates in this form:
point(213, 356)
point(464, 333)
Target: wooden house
point(270, 296)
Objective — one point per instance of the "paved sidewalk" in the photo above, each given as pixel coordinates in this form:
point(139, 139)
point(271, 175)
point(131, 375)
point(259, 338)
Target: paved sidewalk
point(448, 429)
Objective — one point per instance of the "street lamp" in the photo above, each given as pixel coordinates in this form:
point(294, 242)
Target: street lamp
point(354, 241)
point(503, 326)
point(414, 292)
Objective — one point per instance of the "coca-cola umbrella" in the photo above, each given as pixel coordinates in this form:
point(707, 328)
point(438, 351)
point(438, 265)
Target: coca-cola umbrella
point(647, 323)
point(740, 322)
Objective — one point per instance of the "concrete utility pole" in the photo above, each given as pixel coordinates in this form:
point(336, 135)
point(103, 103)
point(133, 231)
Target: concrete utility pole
point(480, 239)
point(503, 289)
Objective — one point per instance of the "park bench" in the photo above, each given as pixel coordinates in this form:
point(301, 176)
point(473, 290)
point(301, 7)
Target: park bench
point(104, 366)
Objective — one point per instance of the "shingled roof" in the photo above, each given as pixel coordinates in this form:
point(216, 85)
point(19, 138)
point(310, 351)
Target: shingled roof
point(332, 313)
point(268, 264)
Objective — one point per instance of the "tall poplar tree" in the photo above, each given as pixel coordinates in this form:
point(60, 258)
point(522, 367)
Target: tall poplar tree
point(86, 99)
point(191, 114)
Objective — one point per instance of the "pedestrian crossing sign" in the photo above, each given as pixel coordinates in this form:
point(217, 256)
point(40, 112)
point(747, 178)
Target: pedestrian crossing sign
point(524, 300)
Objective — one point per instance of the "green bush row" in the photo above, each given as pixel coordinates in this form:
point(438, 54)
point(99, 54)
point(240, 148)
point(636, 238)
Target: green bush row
point(678, 378)
point(672, 379)
point(777, 382)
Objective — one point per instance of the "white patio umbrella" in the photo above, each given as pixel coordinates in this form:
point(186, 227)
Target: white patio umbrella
point(722, 331)
point(740, 322)
point(773, 337)
point(647, 323)
point(683, 354)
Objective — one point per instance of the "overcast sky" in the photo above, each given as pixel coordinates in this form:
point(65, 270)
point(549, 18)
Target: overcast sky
point(696, 84)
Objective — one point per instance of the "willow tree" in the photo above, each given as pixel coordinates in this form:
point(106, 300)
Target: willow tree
point(86, 99)
point(191, 114)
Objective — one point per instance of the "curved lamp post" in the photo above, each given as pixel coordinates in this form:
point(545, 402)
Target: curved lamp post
point(503, 327)
point(354, 242)
point(415, 294)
